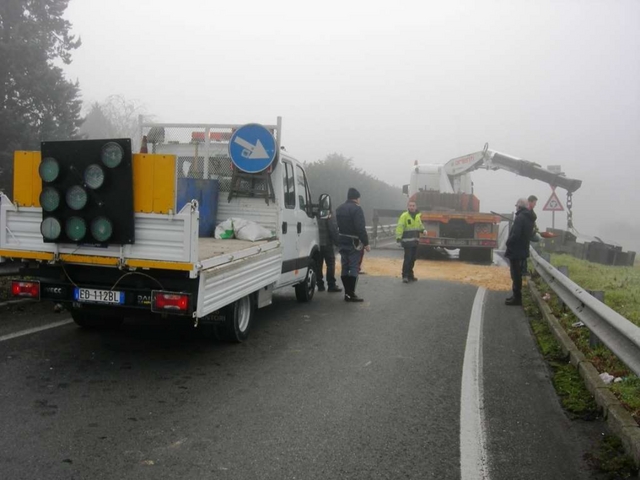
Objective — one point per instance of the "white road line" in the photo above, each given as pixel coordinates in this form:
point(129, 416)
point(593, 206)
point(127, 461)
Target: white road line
point(35, 330)
point(473, 454)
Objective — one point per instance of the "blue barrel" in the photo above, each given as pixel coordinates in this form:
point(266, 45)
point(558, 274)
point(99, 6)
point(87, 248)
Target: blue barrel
point(206, 193)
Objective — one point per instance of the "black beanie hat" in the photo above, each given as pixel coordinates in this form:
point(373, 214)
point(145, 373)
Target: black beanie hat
point(353, 194)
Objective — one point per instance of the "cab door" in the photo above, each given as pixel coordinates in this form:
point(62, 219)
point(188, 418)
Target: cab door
point(288, 225)
point(307, 224)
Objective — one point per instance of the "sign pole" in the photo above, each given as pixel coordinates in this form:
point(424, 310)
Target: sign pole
point(553, 219)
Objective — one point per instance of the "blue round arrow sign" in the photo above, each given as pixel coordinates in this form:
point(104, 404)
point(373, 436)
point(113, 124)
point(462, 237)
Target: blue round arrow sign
point(252, 148)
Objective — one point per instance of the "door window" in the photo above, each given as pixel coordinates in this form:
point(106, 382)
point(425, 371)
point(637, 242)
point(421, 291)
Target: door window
point(304, 195)
point(288, 186)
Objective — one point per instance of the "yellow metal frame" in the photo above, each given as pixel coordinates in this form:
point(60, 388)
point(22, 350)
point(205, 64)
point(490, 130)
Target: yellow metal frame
point(26, 179)
point(90, 260)
point(154, 181)
point(28, 255)
point(154, 191)
point(95, 260)
point(181, 266)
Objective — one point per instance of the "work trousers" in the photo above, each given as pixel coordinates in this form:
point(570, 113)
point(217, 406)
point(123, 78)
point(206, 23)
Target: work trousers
point(410, 254)
point(350, 259)
point(328, 256)
point(515, 266)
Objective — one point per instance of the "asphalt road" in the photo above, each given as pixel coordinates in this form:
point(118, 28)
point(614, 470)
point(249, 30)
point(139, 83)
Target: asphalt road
point(328, 390)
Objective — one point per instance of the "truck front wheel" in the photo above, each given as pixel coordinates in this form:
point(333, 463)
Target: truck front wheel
point(306, 289)
point(238, 319)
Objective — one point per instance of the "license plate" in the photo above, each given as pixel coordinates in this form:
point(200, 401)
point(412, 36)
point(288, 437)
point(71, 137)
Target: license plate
point(90, 295)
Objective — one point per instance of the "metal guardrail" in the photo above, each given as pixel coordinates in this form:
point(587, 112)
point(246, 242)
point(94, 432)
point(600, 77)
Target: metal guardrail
point(381, 231)
point(620, 335)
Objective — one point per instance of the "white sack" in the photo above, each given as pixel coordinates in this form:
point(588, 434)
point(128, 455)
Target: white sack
point(248, 230)
point(224, 230)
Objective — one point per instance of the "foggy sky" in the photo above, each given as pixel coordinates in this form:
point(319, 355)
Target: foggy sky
point(387, 83)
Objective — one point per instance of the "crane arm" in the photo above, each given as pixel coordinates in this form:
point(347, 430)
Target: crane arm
point(492, 160)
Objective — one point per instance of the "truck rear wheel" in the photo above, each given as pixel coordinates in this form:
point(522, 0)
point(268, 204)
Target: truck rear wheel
point(238, 319)
point(306, 289)
point(94, 320)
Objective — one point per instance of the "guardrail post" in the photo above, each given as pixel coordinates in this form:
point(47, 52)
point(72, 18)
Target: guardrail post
point(563, 269)
point(376, 219)
point(594, 341)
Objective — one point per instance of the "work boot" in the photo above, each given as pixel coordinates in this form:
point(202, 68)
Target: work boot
point(513, 301)
point(405, 279)
point(334, 289)
point(349, 291)
point(412, 278)
point(321, 287)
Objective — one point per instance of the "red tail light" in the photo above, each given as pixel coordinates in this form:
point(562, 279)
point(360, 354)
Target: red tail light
point(170, 302)
point(25, 289)
point(488, 243)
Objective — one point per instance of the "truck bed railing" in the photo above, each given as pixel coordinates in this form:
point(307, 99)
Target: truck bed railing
point(201, 149)
point(159, 237)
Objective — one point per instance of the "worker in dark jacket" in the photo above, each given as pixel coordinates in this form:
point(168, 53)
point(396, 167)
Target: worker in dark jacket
point(518, 248)
point(328, 229)
point(352, 240)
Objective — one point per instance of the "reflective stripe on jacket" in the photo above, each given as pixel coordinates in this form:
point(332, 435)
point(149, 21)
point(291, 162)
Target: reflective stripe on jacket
point(409, 226)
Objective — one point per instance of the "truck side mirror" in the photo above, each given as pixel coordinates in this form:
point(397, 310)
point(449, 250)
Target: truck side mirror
point(322, 209)
point(325, 202)
point(405, 189)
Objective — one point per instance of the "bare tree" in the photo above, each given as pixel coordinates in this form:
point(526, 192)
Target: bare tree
point(116, 117)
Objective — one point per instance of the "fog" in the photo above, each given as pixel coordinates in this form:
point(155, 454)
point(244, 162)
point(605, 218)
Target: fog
point(387, 83)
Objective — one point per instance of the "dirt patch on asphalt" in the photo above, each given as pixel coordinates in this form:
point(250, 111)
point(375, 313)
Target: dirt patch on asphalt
point(491, 277)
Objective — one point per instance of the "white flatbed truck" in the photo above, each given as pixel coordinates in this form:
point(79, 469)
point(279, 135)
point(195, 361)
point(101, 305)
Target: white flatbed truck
point(164, 266)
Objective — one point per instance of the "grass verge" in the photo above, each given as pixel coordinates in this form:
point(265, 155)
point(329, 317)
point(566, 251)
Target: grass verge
point(609, 458)
point(622, 293)
point(611, 461)
point(620, 284)
point(574, 396)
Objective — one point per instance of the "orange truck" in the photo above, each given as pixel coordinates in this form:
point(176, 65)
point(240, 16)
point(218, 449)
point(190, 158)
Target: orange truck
point(451, 212)
point(454, 220)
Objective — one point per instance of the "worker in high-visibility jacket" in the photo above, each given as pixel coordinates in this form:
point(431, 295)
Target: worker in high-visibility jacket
point(407, 234)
